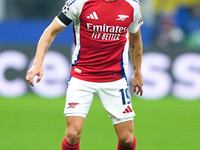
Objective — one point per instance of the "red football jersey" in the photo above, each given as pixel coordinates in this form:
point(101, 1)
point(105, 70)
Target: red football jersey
point(100, 29)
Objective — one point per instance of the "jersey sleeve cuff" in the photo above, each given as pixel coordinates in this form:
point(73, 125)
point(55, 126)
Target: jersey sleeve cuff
point(63, 20)
point(60, 22)
point(136, 28)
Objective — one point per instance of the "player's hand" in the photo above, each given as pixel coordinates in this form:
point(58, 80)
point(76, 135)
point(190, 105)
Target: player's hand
point(137, 83)
point(32, 72)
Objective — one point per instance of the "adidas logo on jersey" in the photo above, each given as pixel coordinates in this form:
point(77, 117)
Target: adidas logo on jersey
point(127, 110)
point(93, 16)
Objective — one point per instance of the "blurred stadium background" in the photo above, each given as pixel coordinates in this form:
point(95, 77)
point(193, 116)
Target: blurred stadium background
point(168, 115)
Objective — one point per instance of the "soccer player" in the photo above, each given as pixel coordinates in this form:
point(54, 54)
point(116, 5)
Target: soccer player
point(102, 29)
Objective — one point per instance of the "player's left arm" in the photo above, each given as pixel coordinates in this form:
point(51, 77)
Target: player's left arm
point(136, 52)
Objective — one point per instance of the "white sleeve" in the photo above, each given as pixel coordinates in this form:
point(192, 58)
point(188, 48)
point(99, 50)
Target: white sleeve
point(72, 9)
point(137, 20)
point(60, 22)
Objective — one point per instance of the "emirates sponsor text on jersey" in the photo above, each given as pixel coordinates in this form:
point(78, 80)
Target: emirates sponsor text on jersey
point(106, 32)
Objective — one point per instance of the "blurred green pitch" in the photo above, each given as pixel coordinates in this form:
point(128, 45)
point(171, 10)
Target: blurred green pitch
point(34, 123)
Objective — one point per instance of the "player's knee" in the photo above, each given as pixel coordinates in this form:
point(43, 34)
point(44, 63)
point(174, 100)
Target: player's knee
point(73, 136)
point(126, 140)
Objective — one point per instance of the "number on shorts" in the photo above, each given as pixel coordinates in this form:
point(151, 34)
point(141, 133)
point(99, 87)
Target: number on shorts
point(125, 96)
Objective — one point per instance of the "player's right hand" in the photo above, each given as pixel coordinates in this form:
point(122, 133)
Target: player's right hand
point(32, 72)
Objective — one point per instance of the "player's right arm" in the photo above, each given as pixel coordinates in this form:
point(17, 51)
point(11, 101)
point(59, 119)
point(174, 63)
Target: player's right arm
point(44, 43)
point(68, 13)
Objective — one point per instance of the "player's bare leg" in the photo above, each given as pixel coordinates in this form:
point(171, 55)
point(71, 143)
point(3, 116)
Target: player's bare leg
point(125, 136)
point(74, 129)
point(73, 133)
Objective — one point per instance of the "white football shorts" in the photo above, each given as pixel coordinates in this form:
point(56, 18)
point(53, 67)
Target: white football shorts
point(115, 97)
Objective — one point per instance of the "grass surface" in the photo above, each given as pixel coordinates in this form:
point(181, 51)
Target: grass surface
point(34, 123)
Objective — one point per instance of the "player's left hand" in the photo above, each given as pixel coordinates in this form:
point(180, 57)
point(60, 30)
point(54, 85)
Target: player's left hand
point(137, 83)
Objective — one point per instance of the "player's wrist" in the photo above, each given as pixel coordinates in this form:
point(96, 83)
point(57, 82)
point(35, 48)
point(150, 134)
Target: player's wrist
point(137, 72)
point(37, 64)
